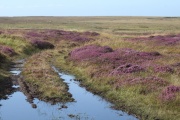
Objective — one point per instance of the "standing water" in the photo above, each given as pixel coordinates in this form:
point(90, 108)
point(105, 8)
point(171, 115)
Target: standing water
point(86, 106)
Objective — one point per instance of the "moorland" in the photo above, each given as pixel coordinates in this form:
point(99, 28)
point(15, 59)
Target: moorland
point(133, 62)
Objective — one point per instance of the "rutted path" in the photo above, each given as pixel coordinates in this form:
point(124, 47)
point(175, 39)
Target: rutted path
point(86, 106)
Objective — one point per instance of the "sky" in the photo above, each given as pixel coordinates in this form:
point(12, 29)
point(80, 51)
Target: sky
point(90, 8)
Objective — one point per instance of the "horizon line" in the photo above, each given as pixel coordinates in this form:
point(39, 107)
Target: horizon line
point(96, 16)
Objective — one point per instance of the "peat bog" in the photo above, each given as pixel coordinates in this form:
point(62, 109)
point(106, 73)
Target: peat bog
point(134, 67)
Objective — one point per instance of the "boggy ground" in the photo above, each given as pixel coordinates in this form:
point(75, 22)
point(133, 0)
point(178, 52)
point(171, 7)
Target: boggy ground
point(42, 81)
point(135, 67)
point(39, 79)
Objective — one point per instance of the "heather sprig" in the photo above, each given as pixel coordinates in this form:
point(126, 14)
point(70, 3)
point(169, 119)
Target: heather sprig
point(169, 93)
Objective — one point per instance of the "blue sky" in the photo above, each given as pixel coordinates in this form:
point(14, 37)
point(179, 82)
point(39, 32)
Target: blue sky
point(90, 8)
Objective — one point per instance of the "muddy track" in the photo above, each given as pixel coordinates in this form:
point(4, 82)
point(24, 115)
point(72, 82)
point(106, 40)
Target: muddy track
point(31, 90)
point(29, 93)
point(18, 81)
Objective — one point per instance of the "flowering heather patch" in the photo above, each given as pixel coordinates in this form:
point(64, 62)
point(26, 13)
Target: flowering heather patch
point(125, 52)
point(164, 40)
point(10, 32)
point(61, 35)
point(113, 58)
point(52, 34)
point(58, 32)
point(7, 50)
point(33, 34)
point(62, 32)
point(58, 35)
point(125, 56)
point(77, 38)
point(127, 68)
point(169, 93)
point(91, 33)
point(150, 82)
point(163, 69)
point(118, 61)
point(42, 44)
point(148, 54)
point(88, 52)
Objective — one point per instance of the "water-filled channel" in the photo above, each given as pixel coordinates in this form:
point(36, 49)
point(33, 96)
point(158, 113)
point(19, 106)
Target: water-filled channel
point(87, 106)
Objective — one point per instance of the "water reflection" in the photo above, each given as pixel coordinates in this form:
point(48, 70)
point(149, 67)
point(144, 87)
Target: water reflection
point(86, 106)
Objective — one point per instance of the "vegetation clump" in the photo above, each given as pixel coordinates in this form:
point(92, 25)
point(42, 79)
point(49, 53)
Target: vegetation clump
point(7, 50)
point(117, 62)
point(88, 52)
point(42, 44)
point(162, 40)
point(127, 68)
point(170, 93)
point(163, 69)
point(149, 82)
point(2, 57)
point(59, 35)
point(91, 33)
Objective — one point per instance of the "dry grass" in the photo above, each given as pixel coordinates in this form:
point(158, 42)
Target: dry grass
point(40, 75)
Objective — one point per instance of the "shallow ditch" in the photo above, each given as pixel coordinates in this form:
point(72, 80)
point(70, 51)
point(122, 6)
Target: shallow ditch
point(86, 106)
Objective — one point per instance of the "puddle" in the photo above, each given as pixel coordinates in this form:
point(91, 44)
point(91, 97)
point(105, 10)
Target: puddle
point(88, 105)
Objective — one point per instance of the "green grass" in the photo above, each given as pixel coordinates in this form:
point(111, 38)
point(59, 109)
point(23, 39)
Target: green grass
point(20, 45)
point(115, 25)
